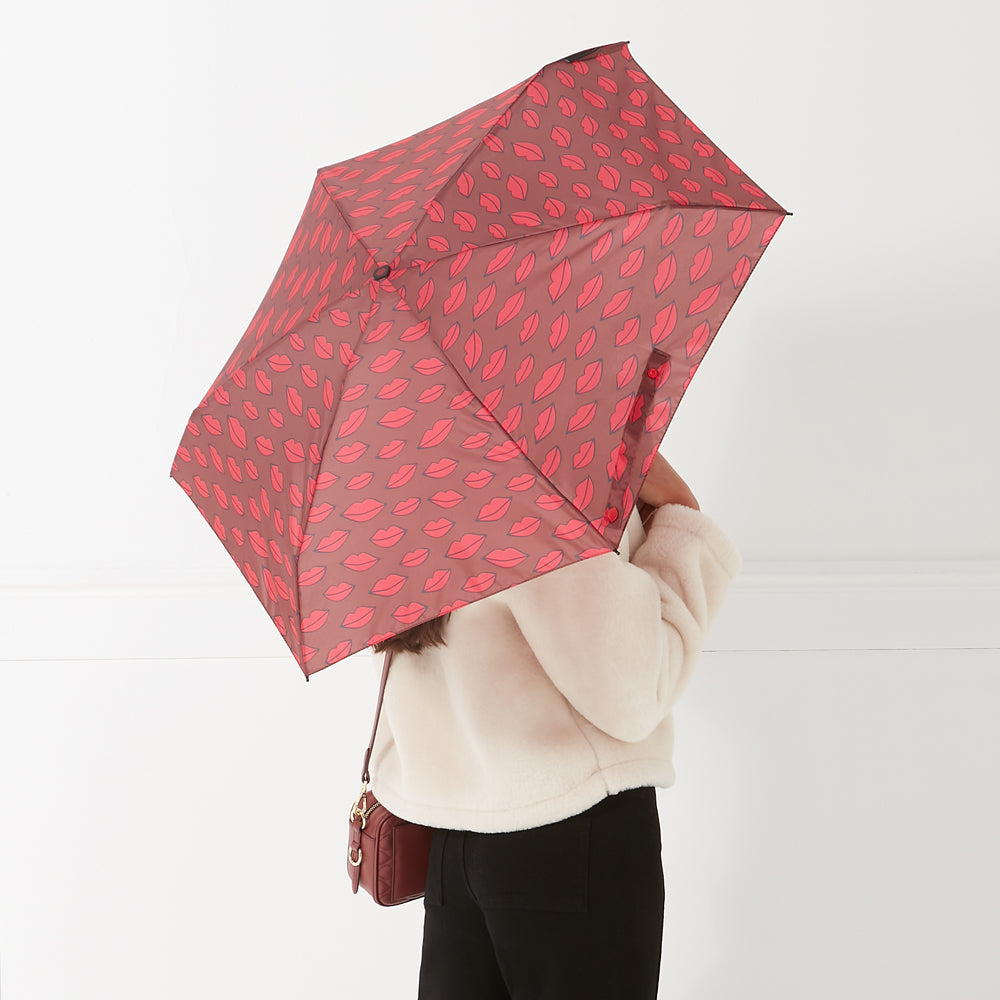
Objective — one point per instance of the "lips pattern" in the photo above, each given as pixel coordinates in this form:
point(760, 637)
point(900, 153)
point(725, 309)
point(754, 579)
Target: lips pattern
point(470, 352)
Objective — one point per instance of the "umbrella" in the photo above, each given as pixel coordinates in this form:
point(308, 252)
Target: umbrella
point(473, 346)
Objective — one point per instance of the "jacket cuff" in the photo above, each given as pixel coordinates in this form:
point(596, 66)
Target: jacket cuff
point(673, 517)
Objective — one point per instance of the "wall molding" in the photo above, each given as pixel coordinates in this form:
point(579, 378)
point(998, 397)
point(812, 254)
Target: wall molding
point(108, 614)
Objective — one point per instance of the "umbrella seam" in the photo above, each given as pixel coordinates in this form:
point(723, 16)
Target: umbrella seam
point(605, 218)
point(504, 430)
point(347, 222)
point(477, 147)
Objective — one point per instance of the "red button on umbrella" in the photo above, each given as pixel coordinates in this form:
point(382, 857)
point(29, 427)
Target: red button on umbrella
point(473, 346)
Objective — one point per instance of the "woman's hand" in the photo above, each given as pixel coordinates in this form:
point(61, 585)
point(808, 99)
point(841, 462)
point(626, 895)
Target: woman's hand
point(663, 485)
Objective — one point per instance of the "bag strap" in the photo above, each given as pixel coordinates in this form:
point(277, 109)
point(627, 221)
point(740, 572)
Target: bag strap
point(378, 712)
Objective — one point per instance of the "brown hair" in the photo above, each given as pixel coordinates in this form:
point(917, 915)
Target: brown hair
point(413, 640)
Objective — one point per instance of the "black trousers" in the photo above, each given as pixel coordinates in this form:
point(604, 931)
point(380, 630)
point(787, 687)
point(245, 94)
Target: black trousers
point(572, 909)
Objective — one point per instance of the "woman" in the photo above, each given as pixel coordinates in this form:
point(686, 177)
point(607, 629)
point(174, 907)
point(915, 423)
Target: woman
point(529, 729)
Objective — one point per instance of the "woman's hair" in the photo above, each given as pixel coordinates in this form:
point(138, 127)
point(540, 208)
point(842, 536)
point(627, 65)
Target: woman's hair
point(413, 640)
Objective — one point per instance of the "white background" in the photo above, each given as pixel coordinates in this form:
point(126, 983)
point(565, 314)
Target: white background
point(173, 797)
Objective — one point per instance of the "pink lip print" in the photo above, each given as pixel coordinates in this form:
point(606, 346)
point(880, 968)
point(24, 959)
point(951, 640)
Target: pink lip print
point(480, 583)
point(494, 509)
point(478, 480)
point(398, 418)
point(360, 561)
point(438, 528)
point(392, 449)
point(405, 507)
point(351, 452)
point(506, 557)
point(333, 541)
point(447, 498)
point(465, 547)
point(407, 614)
point(389, 585)
point(387, 537)
point(441, 468)
point(365, 510)
point(437, 580)
point(401, 477)
point(339, 592)
point(359, 618)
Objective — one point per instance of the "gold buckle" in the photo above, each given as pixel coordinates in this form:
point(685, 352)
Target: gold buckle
point(357, 863)
point(360, 807)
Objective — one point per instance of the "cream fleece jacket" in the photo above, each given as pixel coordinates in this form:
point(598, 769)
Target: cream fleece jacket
point(555, 693)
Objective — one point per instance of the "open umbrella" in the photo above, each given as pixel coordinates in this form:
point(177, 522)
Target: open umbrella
point(473, 346)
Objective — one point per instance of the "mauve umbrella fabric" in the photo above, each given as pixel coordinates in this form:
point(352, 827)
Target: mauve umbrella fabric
point(471, 350)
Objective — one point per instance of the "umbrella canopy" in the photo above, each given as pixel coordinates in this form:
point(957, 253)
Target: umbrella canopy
point(471, 350)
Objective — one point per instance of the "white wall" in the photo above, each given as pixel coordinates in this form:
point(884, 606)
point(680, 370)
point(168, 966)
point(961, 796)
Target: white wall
point(173, 797)
point(162, 157)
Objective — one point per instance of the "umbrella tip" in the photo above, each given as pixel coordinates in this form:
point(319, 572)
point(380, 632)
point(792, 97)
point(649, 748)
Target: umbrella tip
point(582, 54)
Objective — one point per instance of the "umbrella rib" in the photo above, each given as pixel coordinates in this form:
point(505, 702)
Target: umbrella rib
point(226, 377)
point(347, 222)
point(476, 148)
point(605, 218)
point(541, 474)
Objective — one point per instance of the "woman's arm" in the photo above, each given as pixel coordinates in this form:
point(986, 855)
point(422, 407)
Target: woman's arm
point(620, 639)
